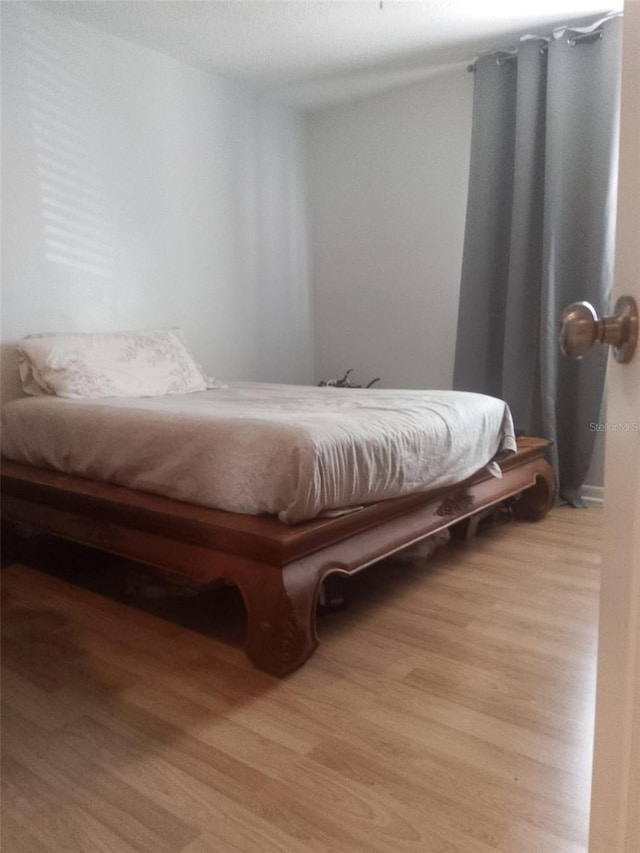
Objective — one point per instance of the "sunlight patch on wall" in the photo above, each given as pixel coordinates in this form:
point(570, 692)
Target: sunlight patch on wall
point(73, 192)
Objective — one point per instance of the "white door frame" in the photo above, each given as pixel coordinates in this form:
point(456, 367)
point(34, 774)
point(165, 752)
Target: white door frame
point(615, 803)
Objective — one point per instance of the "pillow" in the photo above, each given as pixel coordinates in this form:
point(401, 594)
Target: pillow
point(116, 364)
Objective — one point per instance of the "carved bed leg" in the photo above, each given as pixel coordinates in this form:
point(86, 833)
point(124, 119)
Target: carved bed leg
point(534, 503)
point(281, 617)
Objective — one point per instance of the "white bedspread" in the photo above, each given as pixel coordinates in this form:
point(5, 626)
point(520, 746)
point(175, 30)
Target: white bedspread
point(255, 448)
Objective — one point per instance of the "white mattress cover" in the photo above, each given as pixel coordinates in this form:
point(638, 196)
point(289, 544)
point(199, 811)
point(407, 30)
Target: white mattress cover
point(255, 448)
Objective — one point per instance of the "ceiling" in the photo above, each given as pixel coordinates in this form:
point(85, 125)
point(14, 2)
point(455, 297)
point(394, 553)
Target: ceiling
point(320, 52)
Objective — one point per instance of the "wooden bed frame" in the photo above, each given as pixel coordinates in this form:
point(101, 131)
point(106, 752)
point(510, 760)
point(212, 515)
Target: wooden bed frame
point(278, 569)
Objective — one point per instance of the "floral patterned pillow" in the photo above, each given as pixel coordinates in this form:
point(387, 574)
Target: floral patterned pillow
point(117, 364)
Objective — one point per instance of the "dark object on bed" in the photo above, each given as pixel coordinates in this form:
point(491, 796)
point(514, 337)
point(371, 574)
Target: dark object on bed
point(278, 568)
point(345, 382)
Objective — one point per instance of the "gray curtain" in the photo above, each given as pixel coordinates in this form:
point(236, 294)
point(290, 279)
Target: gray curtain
point(540, 233)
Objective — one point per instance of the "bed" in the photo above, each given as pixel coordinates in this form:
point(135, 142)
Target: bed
point(270, 487)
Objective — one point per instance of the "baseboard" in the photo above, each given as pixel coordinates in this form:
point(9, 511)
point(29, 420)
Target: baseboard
point(593, 495)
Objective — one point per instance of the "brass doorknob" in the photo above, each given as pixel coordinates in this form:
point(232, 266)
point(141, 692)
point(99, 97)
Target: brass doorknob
point(581, 328)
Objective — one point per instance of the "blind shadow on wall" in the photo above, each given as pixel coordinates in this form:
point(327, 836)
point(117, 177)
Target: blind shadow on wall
point(74, 199)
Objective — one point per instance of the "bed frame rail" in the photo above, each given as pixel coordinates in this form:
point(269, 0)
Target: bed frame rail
point(277, 568)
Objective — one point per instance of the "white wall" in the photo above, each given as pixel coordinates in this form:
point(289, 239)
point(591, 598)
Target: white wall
point(140, 192)
point(388, 177)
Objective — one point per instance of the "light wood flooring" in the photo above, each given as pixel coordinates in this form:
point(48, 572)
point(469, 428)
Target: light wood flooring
point(448, 709)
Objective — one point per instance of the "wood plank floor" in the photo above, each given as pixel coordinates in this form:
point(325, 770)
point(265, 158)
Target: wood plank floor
point(448, 709)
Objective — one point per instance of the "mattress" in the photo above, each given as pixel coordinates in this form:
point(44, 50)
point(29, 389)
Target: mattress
point(293, 451)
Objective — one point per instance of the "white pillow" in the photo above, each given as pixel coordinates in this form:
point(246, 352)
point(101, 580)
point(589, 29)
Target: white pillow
point(116, 364)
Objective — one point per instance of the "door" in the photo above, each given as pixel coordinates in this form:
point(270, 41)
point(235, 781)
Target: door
point(615, 804)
